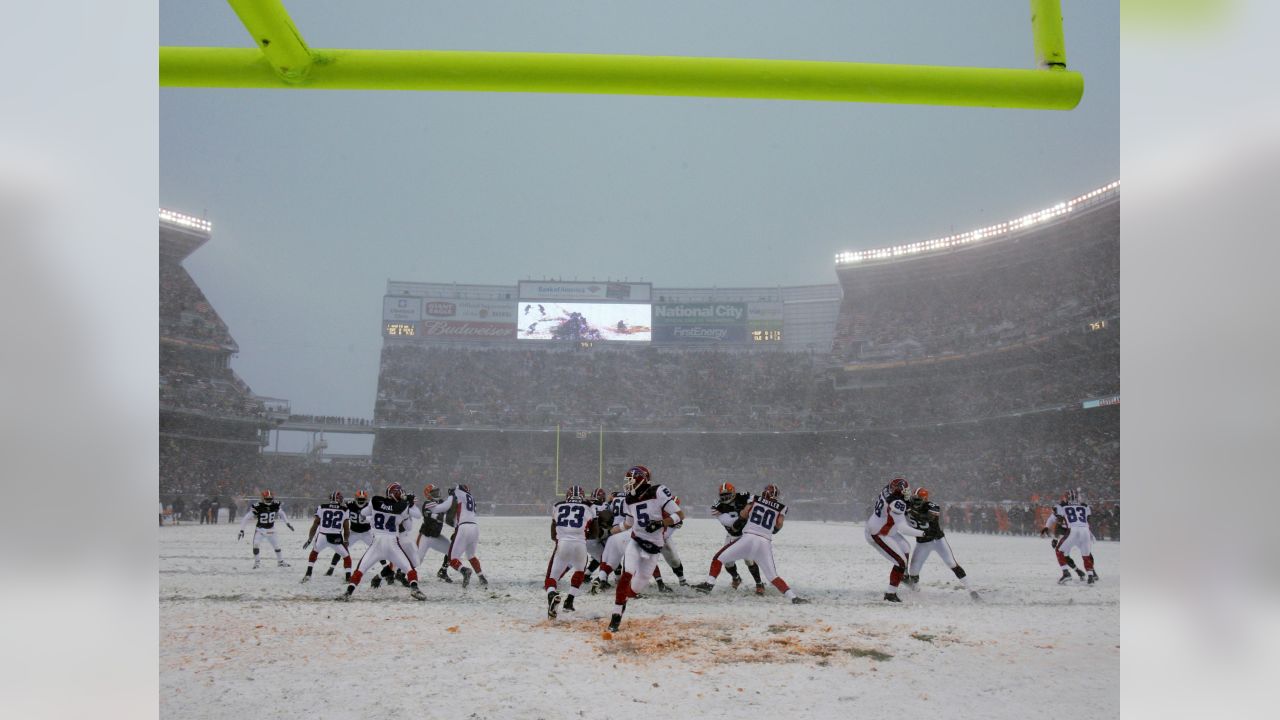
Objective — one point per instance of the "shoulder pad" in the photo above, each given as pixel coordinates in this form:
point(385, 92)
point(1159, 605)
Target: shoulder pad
point(899, 506)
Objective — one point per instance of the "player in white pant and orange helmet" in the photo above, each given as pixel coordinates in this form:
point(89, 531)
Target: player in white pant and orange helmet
point(266, 512)
point(759, 521)
point(466, 533)
point(386, 513)
point(927, 516)
point(570, 519)
point(650, 510)
point(1074, 512)
point(886, 531)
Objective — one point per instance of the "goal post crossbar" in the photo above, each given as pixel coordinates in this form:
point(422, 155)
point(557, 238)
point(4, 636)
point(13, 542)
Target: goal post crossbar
point(282, 59)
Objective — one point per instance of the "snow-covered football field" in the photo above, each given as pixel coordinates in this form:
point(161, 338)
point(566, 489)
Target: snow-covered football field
point(244, 643)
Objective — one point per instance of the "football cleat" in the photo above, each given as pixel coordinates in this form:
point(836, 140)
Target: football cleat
point(1093, 578)
point(605, 584)
point(615, 622)
point(376, 581)
point(662, 588)
point(799, 600)
point(444, 575)
point(553, 604)
point(683, 582)
point(415, 593)
point(595, 586)
point(281, 563)
point(568, 604)
point(737, 580)
point(256, 564)
point(305, 579)
point(328, 572)
point(759, 588)
point(1066, 577)
point(703, 587)
point(402, 578)
point(1080, 573)
point(484, 581)
point(466, 577)
point(892, 597)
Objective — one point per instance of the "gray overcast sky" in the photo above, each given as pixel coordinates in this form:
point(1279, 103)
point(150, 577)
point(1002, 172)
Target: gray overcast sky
point(318, 198)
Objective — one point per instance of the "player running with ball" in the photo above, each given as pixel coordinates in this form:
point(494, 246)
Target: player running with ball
point(650, 510)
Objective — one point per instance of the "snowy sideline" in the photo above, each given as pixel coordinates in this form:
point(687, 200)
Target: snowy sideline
point(238, 642)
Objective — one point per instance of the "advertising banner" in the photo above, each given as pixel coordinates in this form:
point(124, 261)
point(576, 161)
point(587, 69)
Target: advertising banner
point(764, 316)
point(483, 311)
point(586, 291)
point(466, 330)
point(401, 309)
point(700, 323)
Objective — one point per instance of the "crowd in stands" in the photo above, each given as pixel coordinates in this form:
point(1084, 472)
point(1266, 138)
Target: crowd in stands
point(981, 298)
point(185, 313)
point(198, 379)
point(330, 420)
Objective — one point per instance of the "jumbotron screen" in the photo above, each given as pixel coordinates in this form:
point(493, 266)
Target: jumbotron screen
point(606, 322)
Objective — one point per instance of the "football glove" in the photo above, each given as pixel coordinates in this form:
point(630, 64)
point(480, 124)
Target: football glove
point(739, 524)
point(1044, 531)
point(290, 527)
point(306, 544)
point(653, 526)
point(240, 536)
point(410, 498)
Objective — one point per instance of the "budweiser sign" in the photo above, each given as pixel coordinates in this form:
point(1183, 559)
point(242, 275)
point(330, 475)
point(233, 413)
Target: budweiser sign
point(452, 329)
point(440, 309)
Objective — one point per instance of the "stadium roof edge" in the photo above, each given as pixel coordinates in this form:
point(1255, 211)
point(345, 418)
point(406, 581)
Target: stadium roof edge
point(850, 259)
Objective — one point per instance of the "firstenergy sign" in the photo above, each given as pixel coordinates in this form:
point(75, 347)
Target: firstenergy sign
point(700, 323)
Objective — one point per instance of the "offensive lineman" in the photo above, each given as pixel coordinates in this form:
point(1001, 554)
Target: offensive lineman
point(727, 512)
point(616, 543)
point(466, 533)
point(331, 521)
point(885, 531)
point(360, 529)
point(927, 516)
point(650, 510)
point(266, 511)
point(758, 522)
point(1075, 513)
point(570, 519)
point(386, 513)
point(429, 534)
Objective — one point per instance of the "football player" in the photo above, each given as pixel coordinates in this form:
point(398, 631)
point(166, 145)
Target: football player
point(650, 510)
point(1074, 513)
point(266, 511)
point(331, 522)
point(429, 534)
point(671, 555)
point(386, 512)
point(886, 531)
point(613, 518)
point(466, 533)
point(927, 516)
point(757, 523)
point(1060, 531)
point(570, 519)
point(599, 531)
point(360, 529)
point(727, 512)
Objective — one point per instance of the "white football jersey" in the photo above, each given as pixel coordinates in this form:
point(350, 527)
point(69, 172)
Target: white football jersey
point(654, 503)
point(331, 516)
point(1074, 514)
point(888, 512)
point(571, 518)
point(618, 506)
point(763, 517)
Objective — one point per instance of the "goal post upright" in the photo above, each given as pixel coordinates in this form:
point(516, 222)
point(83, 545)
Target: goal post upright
point(557, 460)
point(282, 59)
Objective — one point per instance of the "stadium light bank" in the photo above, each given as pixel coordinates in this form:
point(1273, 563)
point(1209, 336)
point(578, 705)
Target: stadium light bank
point(986, 233)
point(187, 221)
